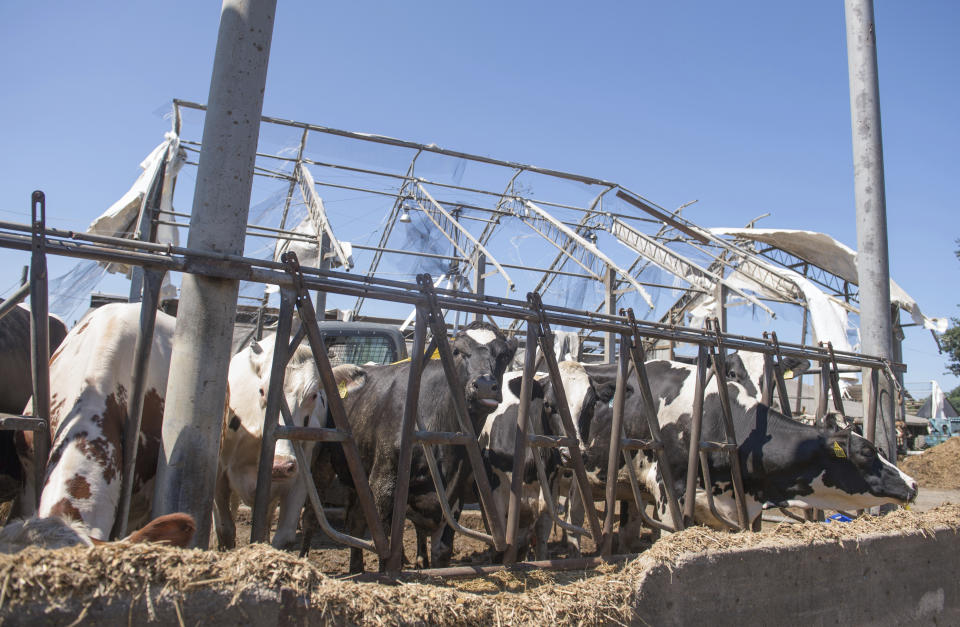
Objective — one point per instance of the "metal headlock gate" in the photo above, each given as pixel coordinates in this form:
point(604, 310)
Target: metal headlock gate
point(295, 284)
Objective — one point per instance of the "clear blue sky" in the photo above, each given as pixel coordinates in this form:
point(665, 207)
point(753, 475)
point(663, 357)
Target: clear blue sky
point(743, 106)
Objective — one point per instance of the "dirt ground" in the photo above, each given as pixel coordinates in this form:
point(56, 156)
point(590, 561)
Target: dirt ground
point(333, 560)
point(937, 467)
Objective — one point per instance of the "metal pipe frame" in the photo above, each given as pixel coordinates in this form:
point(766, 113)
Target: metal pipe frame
point(152, 282)
point(434, 320)
point(173, 258)
point(179, 259)
point(610, 493)
point(520, 442)
point(308, 322)
point(634, 344)
point(402, 489)
point(271, 416)
point(39, 337)
point(718, 353)
point(545, 339)
point(696, 430)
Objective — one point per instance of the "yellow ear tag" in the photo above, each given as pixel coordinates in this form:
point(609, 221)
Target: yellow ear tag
point(838, 450)
point(788, 374)
point(342, 389)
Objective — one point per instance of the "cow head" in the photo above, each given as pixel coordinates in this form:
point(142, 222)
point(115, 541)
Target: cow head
point(482, 354)
point(746, 368)
point(857, 468)
point(304, 396)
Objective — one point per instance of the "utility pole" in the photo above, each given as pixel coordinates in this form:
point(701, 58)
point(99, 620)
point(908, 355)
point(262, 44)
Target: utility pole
point(872, 257)
point(193, 412)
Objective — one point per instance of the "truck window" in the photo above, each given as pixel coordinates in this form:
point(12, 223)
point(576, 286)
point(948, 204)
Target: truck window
point(359, 350)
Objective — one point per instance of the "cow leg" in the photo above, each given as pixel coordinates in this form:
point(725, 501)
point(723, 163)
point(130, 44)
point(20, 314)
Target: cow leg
point(223, 514)
point(441, 541)
point(423, 561)
point(308, 526)
point(577, 513)
point(542, 528)
point(290, 507)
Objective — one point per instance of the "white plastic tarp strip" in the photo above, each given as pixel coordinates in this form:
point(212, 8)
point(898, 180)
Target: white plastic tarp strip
point(319, 215)
point(120, 220)
point(835, 257)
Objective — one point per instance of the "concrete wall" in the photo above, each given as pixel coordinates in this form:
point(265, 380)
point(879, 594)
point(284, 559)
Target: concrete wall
point(882, 580)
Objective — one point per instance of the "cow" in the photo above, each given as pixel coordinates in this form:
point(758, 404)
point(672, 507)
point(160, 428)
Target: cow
point(16, 374)
point(56, 533)
point(784, 463)
point(497, 441)
point(249, 379)
point(374, 398)
point(90, 379)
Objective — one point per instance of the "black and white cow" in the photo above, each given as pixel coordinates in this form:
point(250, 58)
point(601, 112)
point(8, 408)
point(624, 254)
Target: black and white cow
point(785, 463)
point(374, 398)
point(16, 374)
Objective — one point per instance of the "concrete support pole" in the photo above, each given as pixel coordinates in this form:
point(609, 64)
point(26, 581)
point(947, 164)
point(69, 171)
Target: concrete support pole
point(193, 412)
point(872, 259)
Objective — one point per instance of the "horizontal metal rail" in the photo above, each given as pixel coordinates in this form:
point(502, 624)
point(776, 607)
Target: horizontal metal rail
point(179, 259)
point(11, 422)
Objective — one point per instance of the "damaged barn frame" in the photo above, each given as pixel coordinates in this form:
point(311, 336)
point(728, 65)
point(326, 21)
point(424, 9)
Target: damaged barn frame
point(295, 284)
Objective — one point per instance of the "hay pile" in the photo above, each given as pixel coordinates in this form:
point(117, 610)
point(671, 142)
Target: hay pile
point(602, 595)
point(938, 467)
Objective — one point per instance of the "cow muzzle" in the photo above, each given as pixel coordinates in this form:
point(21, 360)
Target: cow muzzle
point(283, 468)
point(486, 391)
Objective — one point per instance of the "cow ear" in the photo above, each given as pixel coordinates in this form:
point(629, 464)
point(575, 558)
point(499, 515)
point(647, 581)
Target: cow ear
point(606, 390)
point(830, 422)
point(514, 385)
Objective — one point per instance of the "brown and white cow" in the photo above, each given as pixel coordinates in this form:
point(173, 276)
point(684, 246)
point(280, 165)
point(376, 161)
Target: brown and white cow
point(242, 436)
point(90, 380)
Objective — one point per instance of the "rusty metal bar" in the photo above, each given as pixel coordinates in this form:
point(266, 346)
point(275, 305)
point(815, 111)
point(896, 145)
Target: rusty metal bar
point(305, 478)
point(707, 481)
point(39, 336)
point(650, 413)
point(550, 501)
point(443, 497)
point(152, 281)
point(835, 381)
point(271, 417)
point(12, 422)
point(308, 321)
point(312, 434)
point(440, 438)
point(550, 441)
point(610, 492)
point(778, 374)
point(720, 358)
point(521, 441)
point(180, 259)
point(579, 470)
point(15, 299)
point(696, 428)
point(408, 426)
point(872, 397)
point(485, 492)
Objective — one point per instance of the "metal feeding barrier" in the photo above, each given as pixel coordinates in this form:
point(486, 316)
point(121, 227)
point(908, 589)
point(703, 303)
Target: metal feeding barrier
point(295, 285)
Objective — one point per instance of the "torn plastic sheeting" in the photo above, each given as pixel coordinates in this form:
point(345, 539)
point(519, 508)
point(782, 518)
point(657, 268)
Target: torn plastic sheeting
point(120, 219)
point(825, 252)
